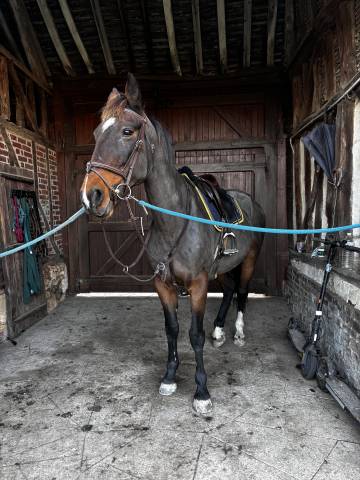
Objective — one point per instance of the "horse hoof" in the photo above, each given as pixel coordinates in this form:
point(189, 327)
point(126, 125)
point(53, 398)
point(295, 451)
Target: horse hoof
point(202, 407)
point(167, 389)
point(218, 337)
point(239, 341)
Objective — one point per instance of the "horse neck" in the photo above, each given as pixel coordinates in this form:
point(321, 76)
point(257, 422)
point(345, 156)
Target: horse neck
point(167, 189)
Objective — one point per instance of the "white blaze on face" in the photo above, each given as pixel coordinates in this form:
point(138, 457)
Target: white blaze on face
point(84, 198)
point(108, 123)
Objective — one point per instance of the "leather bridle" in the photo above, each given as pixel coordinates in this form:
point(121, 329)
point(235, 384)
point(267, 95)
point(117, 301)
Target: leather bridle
point(126, 170)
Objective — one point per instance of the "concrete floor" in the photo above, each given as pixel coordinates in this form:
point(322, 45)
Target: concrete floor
point(79, 401)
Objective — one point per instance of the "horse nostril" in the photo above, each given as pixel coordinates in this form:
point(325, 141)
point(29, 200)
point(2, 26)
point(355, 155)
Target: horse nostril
point(96, 196)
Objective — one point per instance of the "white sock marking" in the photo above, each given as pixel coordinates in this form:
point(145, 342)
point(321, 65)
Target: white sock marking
point(239, 326)
point(108, 123)
point(218, 333)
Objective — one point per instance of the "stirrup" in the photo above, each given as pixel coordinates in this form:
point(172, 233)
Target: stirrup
point(229, 242)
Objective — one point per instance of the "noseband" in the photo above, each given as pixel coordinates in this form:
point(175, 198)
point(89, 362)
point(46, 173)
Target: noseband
point(126, 170)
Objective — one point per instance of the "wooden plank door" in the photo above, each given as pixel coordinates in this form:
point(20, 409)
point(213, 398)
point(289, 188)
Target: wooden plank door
point(239, 169)
point(97, 270)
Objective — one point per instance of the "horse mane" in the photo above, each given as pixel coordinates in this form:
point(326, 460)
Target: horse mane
point(165, 139)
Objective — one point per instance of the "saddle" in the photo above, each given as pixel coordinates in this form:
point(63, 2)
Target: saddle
point(218, 204)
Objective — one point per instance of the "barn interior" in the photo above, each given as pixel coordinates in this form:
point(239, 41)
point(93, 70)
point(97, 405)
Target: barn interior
point(239, 85)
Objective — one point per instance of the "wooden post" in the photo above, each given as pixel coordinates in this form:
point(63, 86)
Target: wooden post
point(44, 114)
point(289, 30)
point(4, 90)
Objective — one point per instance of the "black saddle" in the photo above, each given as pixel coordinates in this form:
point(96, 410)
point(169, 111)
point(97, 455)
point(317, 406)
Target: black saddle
point(221, 204)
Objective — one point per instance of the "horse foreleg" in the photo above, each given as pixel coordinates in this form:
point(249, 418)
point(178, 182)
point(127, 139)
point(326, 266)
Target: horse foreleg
point(168, 297)
point(247, 271)
point(198, 293)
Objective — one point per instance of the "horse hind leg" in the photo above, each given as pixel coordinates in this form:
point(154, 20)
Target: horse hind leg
point(228, 284)
point(169, 301)
point(247, 271)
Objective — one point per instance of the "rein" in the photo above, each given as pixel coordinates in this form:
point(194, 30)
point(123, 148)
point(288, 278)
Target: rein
point(122, 191)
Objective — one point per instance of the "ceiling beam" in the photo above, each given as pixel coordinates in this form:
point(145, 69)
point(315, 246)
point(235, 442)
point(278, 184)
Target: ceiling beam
point(55, 38)
point(197, 36)
point(10, 37)
point(125, 29)
point(289, 30)
point(148, 40)
point(220, 7)
point(171, 36)
point(271, 28)
point(247, 33)
point(103, 37)
point(29, 40)
point(75, 35)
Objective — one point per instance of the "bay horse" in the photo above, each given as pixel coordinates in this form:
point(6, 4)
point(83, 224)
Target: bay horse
point(131, 149)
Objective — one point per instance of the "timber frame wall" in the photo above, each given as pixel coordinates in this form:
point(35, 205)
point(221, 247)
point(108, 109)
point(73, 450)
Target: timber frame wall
point(322, 69)
point(27, 162)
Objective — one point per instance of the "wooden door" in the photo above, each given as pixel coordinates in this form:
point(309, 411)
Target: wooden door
point(98, 271)
point(239, 169)
point(235, 142)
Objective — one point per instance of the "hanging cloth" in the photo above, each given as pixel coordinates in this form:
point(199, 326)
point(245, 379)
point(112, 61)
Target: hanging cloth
point(17, 224)
point(320, 143)
point(31, 274)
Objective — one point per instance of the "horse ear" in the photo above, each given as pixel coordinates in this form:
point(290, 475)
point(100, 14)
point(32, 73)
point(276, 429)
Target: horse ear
point(133, 94)
point(113, 94)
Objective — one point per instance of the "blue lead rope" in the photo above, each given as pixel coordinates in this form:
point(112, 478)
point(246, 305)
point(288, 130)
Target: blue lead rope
point(45, 235)
point(232, 226)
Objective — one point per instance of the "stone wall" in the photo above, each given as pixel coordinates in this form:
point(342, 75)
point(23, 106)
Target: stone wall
point(340, 336)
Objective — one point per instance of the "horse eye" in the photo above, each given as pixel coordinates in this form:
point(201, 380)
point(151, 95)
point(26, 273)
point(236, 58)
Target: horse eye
point(127, 132)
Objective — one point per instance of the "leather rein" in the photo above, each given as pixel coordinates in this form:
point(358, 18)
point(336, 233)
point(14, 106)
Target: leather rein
point(122, 191)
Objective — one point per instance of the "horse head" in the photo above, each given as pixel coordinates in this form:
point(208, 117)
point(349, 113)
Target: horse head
point(124, 143)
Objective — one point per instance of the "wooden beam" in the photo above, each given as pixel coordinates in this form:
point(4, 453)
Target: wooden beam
point(289, 30)
point(247, 33)
point(54, 35)
point(99, 21)
point(41, 83)
point(271, 29)
point(4, 89)
point(21, 97)
point(12, 155)
point(29, 40)
point(10, 37)
point(148, 40)
point(197, 36)
point(220, 7)
point(124, 26)
point(75, 35)
point(44, 114)
point(171, 36)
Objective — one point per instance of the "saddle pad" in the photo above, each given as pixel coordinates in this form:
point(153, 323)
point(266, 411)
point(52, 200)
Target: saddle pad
point(211, 210)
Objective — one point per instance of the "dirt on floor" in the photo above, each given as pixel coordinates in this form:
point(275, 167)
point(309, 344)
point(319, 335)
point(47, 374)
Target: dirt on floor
point(79, 400)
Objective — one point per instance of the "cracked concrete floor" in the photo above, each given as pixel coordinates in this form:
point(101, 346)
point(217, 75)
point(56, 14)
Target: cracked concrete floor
point(79, 401)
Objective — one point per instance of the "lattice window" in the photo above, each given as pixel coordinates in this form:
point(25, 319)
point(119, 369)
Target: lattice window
point(195, 157)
